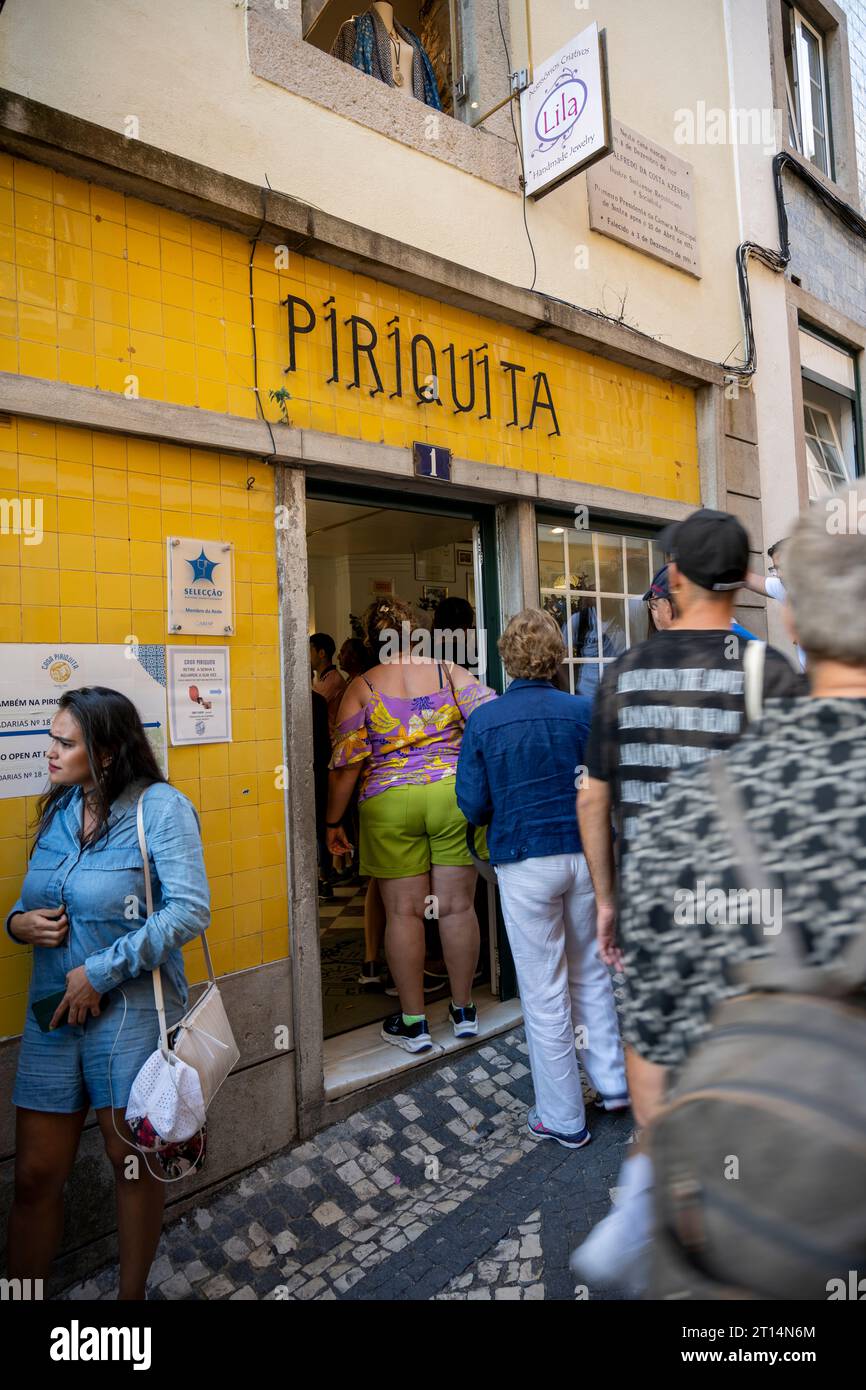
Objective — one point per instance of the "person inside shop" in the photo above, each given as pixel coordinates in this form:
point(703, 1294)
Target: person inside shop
point(91, 1019)
point(354, 658)
point(327, 680)
point(399, 731)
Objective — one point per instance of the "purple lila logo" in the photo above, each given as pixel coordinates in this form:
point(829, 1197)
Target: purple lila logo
point(560, 111)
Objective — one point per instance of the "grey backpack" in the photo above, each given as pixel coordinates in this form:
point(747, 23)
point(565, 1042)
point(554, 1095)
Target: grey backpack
point(760, 1151)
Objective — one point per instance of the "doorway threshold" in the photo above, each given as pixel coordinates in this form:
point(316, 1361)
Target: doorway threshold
point(362, 1057)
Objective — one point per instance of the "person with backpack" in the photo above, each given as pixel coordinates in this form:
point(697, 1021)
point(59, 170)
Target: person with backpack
point(744, 944)
point(671, 702)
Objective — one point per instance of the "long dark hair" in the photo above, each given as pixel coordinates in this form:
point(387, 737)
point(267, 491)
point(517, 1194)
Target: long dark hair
point(110, 725)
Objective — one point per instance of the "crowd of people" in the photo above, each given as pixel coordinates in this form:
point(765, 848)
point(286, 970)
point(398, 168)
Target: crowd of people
point(699, 827)
point(617, 881)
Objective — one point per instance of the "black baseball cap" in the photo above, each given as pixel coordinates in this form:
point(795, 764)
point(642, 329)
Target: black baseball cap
point(710, 548)
point(660, 588)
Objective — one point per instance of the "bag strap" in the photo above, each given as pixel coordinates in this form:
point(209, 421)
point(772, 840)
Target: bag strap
point(148, 898)
point(450, 680)
point(786, 966)
point(754, 658)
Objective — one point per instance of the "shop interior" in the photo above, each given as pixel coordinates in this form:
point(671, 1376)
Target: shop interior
point(356, 554)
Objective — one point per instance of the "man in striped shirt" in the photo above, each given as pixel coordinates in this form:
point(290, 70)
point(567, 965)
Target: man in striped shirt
point(670, 701)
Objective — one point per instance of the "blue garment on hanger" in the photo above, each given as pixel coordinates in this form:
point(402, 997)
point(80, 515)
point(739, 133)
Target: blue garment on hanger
point(362, 57)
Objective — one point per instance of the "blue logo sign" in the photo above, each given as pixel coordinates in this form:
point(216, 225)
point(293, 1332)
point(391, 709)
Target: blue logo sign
point(202, 568)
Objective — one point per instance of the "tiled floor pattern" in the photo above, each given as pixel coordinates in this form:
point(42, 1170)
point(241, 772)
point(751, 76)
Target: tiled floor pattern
point(436, 1193)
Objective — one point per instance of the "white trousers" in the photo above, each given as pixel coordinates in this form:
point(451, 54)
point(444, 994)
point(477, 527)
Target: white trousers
point(549, 911)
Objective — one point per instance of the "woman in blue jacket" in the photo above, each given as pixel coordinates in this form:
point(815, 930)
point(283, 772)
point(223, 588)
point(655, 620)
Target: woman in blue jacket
point(82, 909)
point(521, 759)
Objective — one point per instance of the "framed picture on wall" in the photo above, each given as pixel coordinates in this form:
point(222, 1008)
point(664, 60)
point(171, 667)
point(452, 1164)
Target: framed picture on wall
point(433, 594)
point(381, 588)
point(464, 557)
point(437, 565)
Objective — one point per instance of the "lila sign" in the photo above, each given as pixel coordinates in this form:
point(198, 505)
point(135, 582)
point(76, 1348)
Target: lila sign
point(561, 109)
point(564, 113)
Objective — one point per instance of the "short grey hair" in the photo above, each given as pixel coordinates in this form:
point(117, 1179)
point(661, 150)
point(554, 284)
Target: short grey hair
point(825, 577)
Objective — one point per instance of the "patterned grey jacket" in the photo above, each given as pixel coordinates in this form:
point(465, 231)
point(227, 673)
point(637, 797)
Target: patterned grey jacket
point(801, 774)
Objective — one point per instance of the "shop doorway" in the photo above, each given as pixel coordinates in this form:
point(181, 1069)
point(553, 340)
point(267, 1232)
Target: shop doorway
point(360, 547)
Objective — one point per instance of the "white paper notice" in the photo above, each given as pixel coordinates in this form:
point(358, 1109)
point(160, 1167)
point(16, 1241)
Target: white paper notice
point(199, 695)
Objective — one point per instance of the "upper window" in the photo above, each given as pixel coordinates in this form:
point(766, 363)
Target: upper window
point(806, 82)
point(593, 583)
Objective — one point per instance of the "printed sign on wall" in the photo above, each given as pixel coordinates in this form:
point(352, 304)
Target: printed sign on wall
point(33, 677)
point(199, 695)
point(200, 586)
point(564, 113)
point(645, 196)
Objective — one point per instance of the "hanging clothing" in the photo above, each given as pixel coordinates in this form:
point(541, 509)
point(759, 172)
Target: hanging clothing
point(365, 43)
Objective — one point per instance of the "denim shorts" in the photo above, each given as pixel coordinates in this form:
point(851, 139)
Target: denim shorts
point(68, 1068)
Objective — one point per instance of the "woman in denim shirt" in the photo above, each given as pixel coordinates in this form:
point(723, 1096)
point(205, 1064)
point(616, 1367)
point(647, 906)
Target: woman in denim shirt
point(82, 910)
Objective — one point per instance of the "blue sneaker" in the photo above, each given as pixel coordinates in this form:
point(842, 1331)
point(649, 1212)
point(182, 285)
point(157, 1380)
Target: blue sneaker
point(568, 1141)
point(412, 1037)
point(464, 1020)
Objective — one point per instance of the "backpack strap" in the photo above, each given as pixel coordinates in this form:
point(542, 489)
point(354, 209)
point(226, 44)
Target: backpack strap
point(785, 968)
point(753, 670)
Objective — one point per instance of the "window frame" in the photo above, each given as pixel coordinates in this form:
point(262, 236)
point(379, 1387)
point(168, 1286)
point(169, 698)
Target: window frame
point(812, 437)
point(624, 530)
point(801, 113)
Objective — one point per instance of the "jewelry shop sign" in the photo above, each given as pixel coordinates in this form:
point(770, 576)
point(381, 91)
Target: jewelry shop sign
point(200, 586)
point(564, 114)
point(644, 196)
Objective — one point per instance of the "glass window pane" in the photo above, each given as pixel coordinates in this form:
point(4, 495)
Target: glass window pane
point(823, 428)
point(638, 620)
point(610, 576)
point(581, 564)
point(834, 462)
point(566, 677)
point(637, 566)
point(551, 557)
point(658, 557)
point(814, 53)
point(612, 627)
point(582, 627)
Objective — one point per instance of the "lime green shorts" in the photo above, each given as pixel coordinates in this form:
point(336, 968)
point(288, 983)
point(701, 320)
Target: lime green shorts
point(406, 829)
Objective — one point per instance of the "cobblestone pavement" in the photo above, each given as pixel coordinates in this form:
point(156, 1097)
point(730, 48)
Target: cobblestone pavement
point(439, 1192)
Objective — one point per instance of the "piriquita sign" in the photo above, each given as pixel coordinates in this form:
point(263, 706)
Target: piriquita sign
point(564, 114)
point(419, 366)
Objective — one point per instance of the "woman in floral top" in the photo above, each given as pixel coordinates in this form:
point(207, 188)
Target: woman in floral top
point(399, 731)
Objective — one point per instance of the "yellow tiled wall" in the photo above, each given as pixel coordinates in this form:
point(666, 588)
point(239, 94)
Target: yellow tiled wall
point(99, 574)
point(95, 286)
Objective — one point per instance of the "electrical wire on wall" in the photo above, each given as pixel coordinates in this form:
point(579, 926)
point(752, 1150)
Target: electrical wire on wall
point(253, 244)
point(778, 260)
point(518, 144)
point(774, 260)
